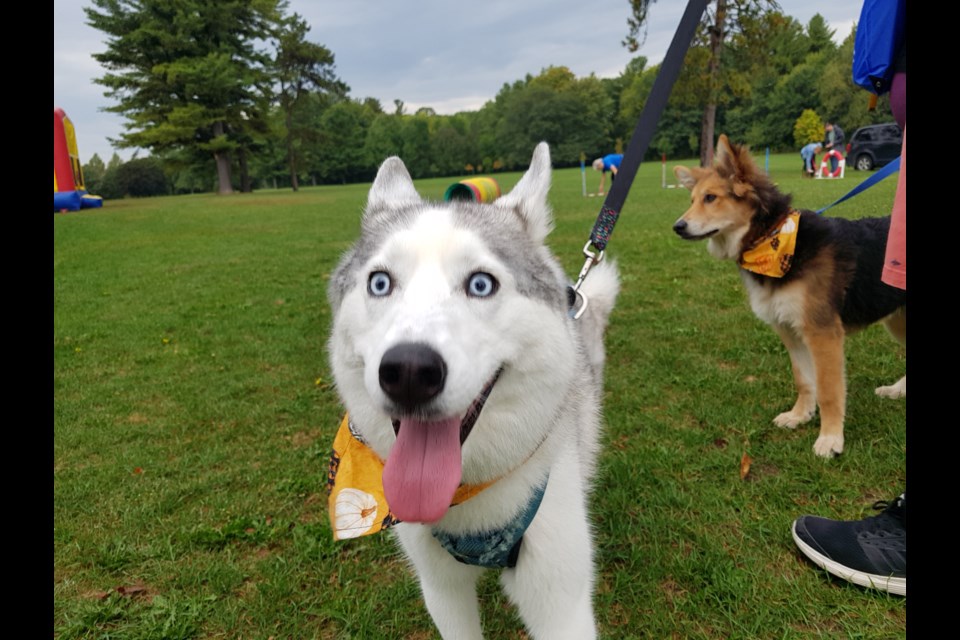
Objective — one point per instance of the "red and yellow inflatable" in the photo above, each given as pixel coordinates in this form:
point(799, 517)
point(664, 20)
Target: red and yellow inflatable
point(69, 193)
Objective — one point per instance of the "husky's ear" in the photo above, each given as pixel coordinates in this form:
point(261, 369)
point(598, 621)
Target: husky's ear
point(529, 197)
point(686, 177)
point(392, 187)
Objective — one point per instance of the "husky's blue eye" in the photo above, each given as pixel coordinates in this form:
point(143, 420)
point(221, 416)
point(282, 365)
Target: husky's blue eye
point(379, 284)
point(481, 285)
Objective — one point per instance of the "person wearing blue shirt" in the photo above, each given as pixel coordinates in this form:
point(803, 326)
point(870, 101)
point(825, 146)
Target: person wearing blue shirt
point(808, 153)
point(609, 163)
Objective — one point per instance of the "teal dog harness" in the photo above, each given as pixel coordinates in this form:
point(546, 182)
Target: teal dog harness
point(494, 549)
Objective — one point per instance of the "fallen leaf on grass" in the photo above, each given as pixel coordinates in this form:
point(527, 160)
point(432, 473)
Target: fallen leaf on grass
point(745, 461)
point(132, 590)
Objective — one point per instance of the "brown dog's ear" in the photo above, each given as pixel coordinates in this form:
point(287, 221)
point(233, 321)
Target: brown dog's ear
point(725, 159)
point(685, 176)
point(723, 147)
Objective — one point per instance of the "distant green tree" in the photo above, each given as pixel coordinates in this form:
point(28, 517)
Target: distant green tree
point(93, 173)
point(634, 95)
point(189, 171)
point(300, 67)
point(820, 34)
point(340, 157)
point(450, 148)
point(573, 115)
point(617, 90)
point(115, 162)
point(416, 145)
point(808, 128)
point(766, 51)
point(185, 73)
point(384, 138)
point(787, 100)
point(109, 186)
point(269, 165)
point(142, 177)
point(135, 178)
point(844, 102)
point(722, 20)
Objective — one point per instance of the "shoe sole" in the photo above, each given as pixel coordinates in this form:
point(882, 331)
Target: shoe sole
point(890, 584)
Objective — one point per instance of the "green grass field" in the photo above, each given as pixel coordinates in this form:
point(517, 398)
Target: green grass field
point(194, 413)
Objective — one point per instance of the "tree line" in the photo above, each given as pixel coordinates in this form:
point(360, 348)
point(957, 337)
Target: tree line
point(232, 96)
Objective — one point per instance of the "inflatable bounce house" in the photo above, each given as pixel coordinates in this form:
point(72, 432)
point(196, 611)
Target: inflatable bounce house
point(69, 193)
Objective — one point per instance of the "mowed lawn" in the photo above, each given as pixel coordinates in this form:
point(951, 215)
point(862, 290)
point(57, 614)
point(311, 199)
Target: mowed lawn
point(194, 414)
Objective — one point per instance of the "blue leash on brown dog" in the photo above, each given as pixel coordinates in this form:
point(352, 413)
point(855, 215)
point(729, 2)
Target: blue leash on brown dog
point(866, 184)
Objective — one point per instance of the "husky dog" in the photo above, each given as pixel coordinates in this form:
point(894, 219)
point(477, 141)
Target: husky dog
point(461, 369)
point(813, 279)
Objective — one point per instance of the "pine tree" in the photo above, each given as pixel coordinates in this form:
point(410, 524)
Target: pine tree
point(303, 69)
point(721, 20)
point(186, 73)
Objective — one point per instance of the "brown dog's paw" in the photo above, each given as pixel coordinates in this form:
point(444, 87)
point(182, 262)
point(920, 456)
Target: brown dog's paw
point(792, 419)
point(896, 390)
point(828, 446)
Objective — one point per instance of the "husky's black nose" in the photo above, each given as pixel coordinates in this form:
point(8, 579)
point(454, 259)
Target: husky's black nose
point(411, 374)
point(680, 227)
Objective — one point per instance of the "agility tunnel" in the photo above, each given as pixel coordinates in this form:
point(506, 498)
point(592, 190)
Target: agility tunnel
point(473, 189)
point(69, 192)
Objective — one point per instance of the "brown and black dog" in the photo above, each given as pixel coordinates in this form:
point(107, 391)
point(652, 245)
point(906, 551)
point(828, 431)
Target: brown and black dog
point(813, 279)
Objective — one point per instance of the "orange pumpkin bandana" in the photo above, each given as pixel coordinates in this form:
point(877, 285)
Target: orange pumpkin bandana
point(355, 498)
point(772, 255)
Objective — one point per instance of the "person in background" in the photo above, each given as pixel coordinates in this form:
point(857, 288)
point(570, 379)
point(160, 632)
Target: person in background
point(808, 153)
point(872, 552)
point(833, 140)
point(609, 163)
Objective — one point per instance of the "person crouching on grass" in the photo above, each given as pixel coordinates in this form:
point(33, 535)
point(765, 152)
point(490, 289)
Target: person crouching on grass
point(609, 163)
point(809, 153)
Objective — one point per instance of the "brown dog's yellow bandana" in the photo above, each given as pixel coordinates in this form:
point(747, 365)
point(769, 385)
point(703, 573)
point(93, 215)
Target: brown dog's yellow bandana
point(772, 254)
point(355, 495)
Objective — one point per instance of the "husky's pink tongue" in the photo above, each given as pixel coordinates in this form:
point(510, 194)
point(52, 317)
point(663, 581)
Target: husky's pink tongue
point(422, 471)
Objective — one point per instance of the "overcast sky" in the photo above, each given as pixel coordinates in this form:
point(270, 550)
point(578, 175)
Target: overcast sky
point(448, 55)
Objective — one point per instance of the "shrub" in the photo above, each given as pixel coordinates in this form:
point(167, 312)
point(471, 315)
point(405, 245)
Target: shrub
point(808, 128)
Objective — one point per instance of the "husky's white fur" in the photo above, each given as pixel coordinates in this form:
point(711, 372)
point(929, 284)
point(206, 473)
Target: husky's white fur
point(474, 287)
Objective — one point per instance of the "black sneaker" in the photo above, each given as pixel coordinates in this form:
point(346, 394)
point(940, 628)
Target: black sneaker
point(871, 552)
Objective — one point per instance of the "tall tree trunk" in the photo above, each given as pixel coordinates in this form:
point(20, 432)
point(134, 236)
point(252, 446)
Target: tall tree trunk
point(291, 157)
point(246, 183)
point(708, 123)
point(223, 164)
point(223, 173)
point(707, 126)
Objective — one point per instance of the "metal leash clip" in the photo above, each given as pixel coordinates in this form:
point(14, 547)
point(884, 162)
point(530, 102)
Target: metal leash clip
point(579, 303)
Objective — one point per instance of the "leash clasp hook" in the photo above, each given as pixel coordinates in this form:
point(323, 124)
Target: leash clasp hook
point(592, 258)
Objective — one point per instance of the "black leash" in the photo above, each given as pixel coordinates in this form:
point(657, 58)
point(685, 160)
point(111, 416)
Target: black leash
point(639, 142)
